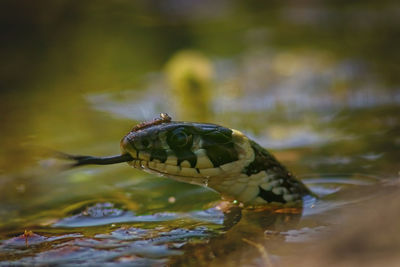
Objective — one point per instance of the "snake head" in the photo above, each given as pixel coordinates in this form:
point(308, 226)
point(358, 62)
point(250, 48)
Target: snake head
point(206, 154)
point(188, 152)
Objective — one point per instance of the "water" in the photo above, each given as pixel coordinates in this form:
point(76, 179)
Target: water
point(328, 111)
point(117, 215)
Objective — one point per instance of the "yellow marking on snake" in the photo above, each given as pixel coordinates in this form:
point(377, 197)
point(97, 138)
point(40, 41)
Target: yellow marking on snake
point(203, 162)
point(189, 172)
point(234, 179)
point(171, 169)
point(185, 164)
point(172, 160)
point(223, 159)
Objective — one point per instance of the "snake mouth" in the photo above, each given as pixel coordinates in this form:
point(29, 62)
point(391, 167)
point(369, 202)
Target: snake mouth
point(183, 172)
point(183, 154)
point(205, 154)
point(191, 175)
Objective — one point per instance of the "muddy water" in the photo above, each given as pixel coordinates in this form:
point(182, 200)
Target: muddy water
point(118, 215)
point(328, 110)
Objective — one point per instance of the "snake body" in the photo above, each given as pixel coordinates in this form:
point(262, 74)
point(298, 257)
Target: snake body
point(218, 157)
point(210, 155)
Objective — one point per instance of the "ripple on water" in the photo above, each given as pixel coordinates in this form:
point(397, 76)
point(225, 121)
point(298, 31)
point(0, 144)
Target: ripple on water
point(328, 188)
point(106, 213)
point(33, 239)
point(145, 243)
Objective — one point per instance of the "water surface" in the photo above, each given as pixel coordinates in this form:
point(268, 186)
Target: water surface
point(328, 110)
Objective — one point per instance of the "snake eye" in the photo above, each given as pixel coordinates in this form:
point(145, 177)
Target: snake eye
point(179, 139)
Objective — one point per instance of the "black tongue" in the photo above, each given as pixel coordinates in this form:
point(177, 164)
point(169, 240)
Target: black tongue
point(86, 160)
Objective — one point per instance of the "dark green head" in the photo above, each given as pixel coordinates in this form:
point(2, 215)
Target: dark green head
point(207, 154)
point(182, 149)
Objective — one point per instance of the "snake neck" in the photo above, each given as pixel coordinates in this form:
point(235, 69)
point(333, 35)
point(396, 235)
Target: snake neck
point(207, 154)
point(263, 181)
point(220, 158)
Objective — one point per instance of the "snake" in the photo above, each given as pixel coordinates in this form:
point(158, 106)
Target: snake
point(206, 154)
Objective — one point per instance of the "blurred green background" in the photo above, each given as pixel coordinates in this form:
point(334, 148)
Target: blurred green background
point(56, 53)
point(317, 82)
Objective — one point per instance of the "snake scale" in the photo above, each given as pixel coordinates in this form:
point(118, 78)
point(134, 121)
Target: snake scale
point(223, 159)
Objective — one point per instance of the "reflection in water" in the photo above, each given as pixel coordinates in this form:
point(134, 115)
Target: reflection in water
point(370, 236)
point(134, 217)
point(202, 236)
point(318, 84)
point(251, 84)
point(190, 77)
